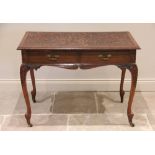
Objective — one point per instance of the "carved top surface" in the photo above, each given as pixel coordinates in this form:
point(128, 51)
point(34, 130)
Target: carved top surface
point(78, 40)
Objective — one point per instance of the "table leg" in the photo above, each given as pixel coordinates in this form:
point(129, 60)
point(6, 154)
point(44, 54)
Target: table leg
point(33, 92)
point(23, 72)
point(134, 73)
point(122, 92)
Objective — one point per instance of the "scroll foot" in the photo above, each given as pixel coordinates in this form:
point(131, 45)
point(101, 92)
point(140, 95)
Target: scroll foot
point(130, 116)
point(28, 120)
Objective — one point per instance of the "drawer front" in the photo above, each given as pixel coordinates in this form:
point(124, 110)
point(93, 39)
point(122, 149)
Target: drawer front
point(49, 58)
point(108, 58)
point(83, 57)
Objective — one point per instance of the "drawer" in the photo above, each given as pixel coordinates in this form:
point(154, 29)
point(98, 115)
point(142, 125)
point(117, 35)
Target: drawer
point(74, 57)
point(49, 57)
point(108, 58)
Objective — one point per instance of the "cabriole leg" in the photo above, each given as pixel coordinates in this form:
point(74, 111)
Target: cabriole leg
point(33, 92)
point(122, 92)
point(23, 72)
point(134, 73)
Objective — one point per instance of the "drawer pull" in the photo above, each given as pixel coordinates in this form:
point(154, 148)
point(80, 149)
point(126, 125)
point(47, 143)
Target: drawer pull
point(53, 57)
point(105, 57)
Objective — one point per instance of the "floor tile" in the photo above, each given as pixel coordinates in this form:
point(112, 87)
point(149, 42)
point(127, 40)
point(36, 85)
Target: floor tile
point(74, 102)
point(140, 103)
point(151, 118)
point(1, 120)
point(108, 122)
point(43, 104)
point(8, 101)
point(78, 109)
point(150, 100)
point(41, 122)
point(109, 102)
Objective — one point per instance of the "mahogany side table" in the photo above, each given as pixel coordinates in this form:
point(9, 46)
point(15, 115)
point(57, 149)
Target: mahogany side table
point(73, 50)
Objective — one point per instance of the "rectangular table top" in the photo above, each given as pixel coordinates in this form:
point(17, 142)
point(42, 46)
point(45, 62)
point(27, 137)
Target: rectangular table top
point(78, 41)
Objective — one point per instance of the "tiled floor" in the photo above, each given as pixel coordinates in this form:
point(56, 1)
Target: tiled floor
point(77, 111)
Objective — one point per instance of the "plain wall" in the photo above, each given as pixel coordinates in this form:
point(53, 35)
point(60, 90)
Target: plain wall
point(10, 58)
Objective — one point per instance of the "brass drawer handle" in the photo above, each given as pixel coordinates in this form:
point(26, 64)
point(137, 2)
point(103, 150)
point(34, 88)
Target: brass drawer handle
point(105, 57)
point(52, 57)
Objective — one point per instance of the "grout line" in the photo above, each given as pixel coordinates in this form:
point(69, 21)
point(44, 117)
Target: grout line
point(96, 103)
point(8, 115)
point(67, 126)
point(149, 123)
point(53, 101)
point(3, 121)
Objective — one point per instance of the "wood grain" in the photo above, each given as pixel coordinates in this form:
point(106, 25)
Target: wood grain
point(78, 40)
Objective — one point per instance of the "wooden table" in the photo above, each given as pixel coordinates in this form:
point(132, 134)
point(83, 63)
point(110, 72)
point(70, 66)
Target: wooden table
point(73, 50)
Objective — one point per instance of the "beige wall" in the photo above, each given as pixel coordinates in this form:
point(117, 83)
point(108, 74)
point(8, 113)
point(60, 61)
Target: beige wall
point(10, 59)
